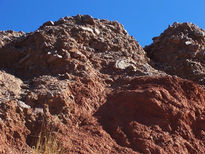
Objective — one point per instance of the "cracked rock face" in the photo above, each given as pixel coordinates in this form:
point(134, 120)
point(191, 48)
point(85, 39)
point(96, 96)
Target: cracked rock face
point(91, 85)
point(179, 50)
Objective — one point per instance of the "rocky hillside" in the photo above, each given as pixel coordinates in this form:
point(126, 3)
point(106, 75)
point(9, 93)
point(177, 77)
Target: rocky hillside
point(96, 90)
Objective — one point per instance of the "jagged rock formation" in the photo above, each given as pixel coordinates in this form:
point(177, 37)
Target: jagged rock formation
point(91, 85)
point(180, 51)
point(74, 45)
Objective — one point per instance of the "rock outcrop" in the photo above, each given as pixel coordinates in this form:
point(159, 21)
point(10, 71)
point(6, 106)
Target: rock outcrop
point(180, 51)
point(91, 85)
point(74, 45)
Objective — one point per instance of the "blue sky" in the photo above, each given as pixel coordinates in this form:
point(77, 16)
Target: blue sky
point(143, 19)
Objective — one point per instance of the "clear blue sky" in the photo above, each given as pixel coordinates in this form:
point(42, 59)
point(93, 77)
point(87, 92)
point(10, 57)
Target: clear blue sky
point(143, 19)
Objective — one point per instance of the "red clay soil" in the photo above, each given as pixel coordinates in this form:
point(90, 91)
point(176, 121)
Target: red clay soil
point(156, 115)
point(91, 85)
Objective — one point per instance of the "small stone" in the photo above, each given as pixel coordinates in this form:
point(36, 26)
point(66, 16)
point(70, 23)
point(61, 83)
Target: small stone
point(49, 23)
point(52, 52)
point(97, 31)
point(87, 29)
point(123, 64)
point(188, 42)
point(59, 56)
point(38, 110)
point(88, 19)
point(23, 105)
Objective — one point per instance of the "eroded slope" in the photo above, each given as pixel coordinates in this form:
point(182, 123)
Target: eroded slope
point(78, 78)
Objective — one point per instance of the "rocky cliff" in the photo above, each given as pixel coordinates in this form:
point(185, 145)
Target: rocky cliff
point(93, 87)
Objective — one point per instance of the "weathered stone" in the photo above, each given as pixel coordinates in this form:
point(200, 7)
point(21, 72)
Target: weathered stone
point(23, 105)
point(179, 43)
point(49, 23)
point(91, 85)
point(88, 19)
point(123, 64)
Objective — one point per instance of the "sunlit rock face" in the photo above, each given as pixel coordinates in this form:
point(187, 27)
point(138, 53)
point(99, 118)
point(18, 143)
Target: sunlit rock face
point(180, 51)
point(89, 84)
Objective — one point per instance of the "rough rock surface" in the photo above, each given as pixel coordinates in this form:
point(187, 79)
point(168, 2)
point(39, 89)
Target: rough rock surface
point(156, 115)
point(180, 50)
point(75, 45)
point(91, 85)
point(8, 36)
